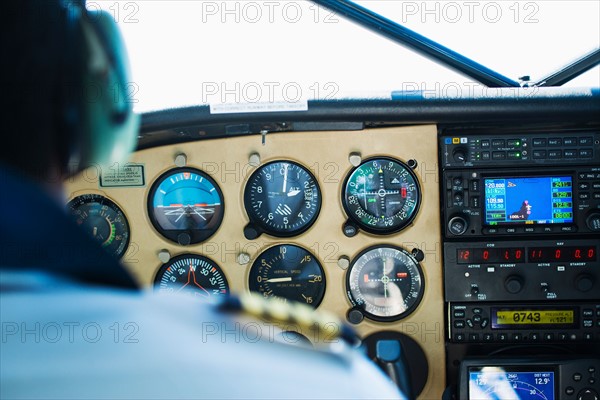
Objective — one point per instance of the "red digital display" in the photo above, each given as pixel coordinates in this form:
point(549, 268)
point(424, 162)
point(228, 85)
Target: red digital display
point(491, 255)
point(565, 254)
point(532, 255)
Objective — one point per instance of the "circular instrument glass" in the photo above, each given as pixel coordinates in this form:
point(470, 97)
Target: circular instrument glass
point(103, 219)
point(288, 272)
point(385, 283)
point(192, 274)
point(282, 198)
point(381, 195)
point(185, 205)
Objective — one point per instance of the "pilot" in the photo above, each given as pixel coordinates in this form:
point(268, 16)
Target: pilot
point(74, 324)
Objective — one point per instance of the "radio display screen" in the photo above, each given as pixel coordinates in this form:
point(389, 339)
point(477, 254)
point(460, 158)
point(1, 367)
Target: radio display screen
point(507, 382)
point(528, 200)
point(539, 317)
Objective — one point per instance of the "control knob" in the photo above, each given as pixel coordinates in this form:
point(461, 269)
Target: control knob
point(584, 282)
point(513, 284)
point(593, 222)
point(587, 394)
point(457, 225)
point(460, 154)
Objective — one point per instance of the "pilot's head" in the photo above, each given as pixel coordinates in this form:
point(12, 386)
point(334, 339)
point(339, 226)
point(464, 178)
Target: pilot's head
point(64, 88)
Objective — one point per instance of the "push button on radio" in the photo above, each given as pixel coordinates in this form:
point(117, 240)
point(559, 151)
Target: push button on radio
point(555, 142)
point(459, 324)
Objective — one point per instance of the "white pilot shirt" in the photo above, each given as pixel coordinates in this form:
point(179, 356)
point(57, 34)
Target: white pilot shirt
point(68, 341)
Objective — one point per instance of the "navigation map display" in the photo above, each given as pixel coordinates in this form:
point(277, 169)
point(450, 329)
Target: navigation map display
point(502, 383)
point(529, 200)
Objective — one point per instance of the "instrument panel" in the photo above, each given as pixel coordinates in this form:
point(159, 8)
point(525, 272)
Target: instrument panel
point(216, 215)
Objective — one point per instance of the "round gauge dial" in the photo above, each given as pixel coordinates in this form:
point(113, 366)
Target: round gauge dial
point(192, 274)
point(103, 219)
point(282, 198)
point(185, 205)
point(381, 195)
point(385, 283)
point(288, 272)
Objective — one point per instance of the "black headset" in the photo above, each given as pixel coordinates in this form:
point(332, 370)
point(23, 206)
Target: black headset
point(97, 122)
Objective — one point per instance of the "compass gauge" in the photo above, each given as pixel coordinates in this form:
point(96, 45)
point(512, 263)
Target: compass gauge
point(195, 275)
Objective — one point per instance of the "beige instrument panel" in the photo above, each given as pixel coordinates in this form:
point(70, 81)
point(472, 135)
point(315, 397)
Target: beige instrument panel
point(326, 154)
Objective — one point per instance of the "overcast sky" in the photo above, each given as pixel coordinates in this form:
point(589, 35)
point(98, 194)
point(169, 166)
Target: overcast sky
point(191, 52)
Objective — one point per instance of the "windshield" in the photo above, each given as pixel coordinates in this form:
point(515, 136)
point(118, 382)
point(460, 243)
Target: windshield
point(196, 52)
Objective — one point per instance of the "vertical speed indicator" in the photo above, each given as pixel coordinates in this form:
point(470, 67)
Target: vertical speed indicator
point(288, 272)
point(282, 198)
point(381, 196)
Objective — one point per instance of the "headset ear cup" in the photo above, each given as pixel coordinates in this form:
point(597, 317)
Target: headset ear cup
point(109, 126)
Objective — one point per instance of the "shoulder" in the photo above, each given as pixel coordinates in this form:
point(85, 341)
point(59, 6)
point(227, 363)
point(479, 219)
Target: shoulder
point(111, 343)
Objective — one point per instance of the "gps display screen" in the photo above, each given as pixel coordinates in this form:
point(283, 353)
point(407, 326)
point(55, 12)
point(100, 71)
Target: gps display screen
point(505, 383)
point(529, 200)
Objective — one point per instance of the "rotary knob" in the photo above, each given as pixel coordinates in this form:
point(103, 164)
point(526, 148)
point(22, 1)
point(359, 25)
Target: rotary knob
point(593, 222)
point(457, 225)
point(584, 283)
point(513, 284)
point(587, 394)
point(460, 154)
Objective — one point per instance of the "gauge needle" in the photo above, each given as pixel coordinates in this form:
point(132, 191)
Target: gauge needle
point(285, 174)
point(192, 274)
point(385, 279)
point(275, 280)
point(365, 192)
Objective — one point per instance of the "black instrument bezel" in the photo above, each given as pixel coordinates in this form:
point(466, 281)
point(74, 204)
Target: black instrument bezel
point(196, 235)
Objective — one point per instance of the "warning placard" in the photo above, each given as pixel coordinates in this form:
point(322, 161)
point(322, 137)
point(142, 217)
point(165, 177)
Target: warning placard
point(128, 175)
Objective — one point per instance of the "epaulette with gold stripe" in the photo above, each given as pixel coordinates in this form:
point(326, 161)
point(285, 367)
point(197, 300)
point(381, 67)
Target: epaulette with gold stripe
point(305, 317)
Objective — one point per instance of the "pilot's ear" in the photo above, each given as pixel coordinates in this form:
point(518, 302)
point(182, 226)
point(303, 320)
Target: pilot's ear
point(100, 126)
